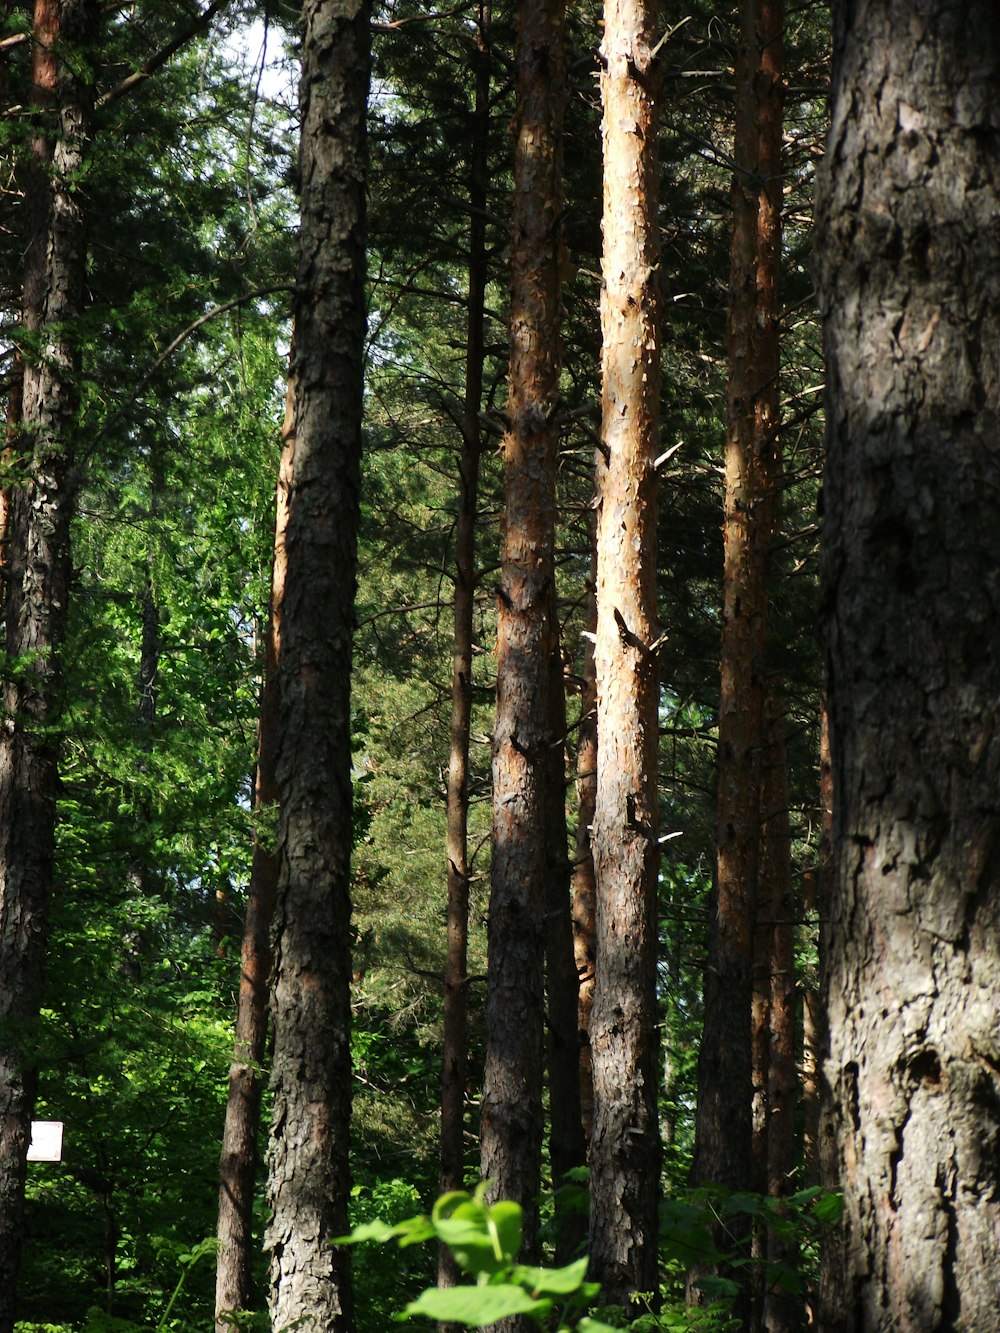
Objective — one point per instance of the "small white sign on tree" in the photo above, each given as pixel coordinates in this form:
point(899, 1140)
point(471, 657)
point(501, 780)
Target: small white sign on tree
point(46, 1141)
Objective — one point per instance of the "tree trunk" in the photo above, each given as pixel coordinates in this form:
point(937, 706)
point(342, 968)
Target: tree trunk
point(625, 1143)
point(781, 1311)
point(567, 1148)
point(309, 1180)
point(584, 887)
point(455, 1054)
point(911, 304)
point(238, 1162)
point(38, 573)
point(723, 1149)
point(527, 634)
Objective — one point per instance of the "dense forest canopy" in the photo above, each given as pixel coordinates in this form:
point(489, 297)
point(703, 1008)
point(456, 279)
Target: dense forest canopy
point(499, 613)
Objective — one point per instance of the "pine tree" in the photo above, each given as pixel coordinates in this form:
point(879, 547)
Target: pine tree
point(309, 1181)
point(625, 1142)
point(911, 310)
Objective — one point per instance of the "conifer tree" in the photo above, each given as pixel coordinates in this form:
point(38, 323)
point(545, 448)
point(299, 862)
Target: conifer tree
point(910, 257)
point(309, 1180)
point(625, 1142)
point(527, 634)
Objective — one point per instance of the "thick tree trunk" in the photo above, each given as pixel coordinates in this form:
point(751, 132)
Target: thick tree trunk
point(455, 1054)
point(910, 282)
point(38, 586)
point(625, 1141)
point(238, 1162)
point(309, 1180)
point(527, 634)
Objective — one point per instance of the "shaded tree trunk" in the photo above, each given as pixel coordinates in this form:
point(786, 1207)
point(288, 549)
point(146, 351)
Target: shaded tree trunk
point(584, 887)
point(238, 1162)
point(567, 1148)
point(455, 1053)
point(910, 259)
point(527, 635)
point(723, 1153)
point(309, 1181)
point(781, 1311)
point(625, 1143)
point(38, 577)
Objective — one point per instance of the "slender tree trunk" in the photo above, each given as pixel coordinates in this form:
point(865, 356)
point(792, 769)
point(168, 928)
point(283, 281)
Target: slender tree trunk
point(455, 1055)
point(527, 634)
point(309, 1179)
point(625, 1142)
point(911, 305)
point(567, 1148)
point(781, 1311)
point(38, 585)
point(584, 887)
point(238, 1162)
point(723, 1149)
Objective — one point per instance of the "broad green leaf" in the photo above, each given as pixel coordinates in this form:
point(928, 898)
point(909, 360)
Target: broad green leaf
point(554, 1281)
point(476, 1307)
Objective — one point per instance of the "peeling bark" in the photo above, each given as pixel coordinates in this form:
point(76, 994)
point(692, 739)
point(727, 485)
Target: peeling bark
point(910, 282)
point(625, 1143)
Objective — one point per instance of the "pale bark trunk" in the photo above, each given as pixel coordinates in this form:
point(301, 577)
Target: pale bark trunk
point(910, 258)
point(625, 1142)
point(38, 585)
point(238, 1161)
point(309, 1180)
point(527, 634)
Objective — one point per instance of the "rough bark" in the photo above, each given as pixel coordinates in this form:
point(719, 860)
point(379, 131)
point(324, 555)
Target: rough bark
point(309, 1180)
point(38, 583)
point(455, 1053)
point(625, 1142)
point(527, 634)
point(238, 1161)
point(723, 1149)
point(910, 282)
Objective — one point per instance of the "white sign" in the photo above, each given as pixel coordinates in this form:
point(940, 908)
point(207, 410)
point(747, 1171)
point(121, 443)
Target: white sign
point(46, 1141)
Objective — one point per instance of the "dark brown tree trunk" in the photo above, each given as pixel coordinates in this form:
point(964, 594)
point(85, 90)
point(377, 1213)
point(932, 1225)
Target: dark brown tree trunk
point(238, 1162)
point(723, 1149)
point(309, 1180)
point(625, 1141)
point(527, 633)
point(455, 1054)
point(910, 255)
point(38, 570)
point(815, 897)
point(566, 1142)
point(781, 1312)
point(584, 887)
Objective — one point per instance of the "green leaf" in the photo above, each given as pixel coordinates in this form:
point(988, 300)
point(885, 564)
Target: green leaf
point(554, 1281)
point(829, 1208)
point(587, 1325)
point(476, 1306)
